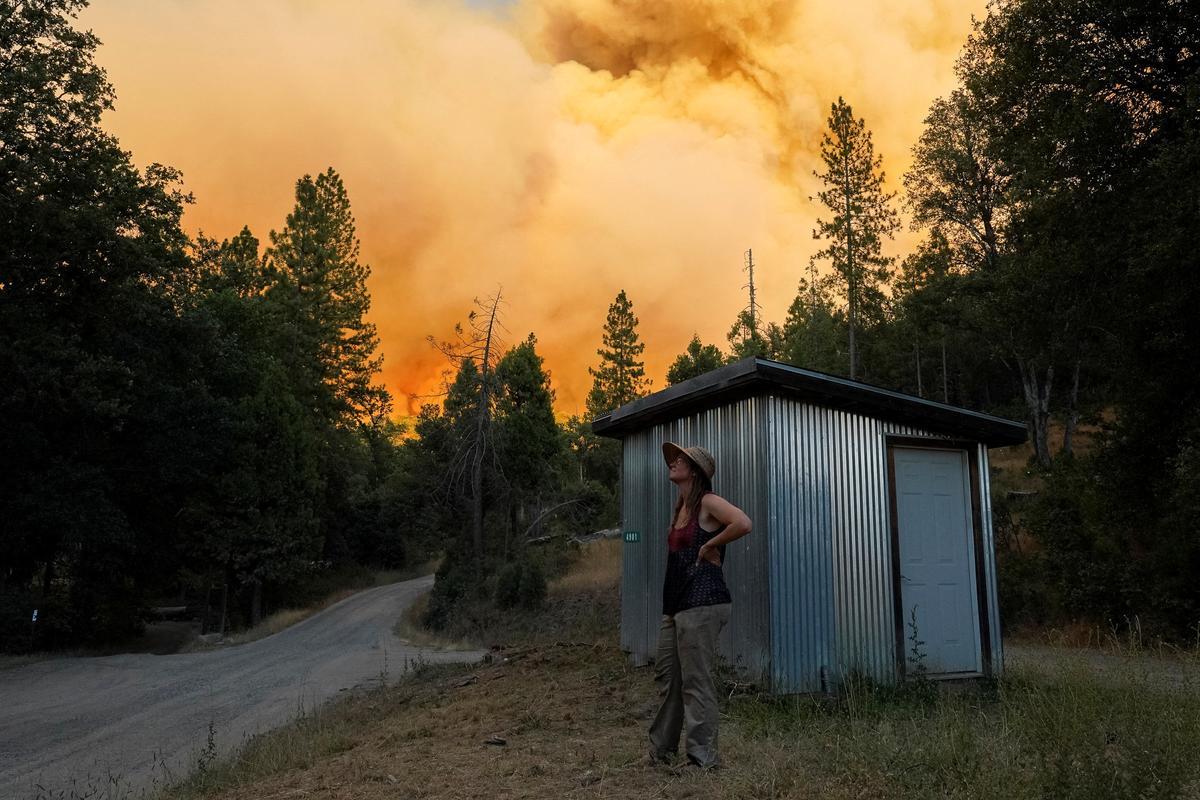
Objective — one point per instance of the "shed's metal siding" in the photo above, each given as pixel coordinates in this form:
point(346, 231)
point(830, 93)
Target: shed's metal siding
point(731, 432)
point(812, 585)
point(801, 565)
point(989, 560)
point(831, 584)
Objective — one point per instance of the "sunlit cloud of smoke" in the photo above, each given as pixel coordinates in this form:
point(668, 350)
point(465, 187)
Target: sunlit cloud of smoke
point(562, 149)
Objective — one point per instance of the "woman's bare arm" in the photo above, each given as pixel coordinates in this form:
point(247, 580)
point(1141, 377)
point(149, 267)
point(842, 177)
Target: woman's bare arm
point(733, 520)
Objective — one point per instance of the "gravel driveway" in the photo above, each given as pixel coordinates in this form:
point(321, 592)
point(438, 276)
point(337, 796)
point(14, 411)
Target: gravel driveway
point(119, 726)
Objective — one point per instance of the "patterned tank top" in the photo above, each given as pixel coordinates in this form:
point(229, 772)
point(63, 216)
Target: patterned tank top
point(688, 584)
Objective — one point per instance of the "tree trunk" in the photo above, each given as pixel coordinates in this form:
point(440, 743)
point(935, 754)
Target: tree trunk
point(1072, 413)
point(514, 521)
point(945, 381)
point(851, 274)
point(47, 578)
point(920, 386)
point(991, 247)
point(1037, 401)
point(207, 610)
point(224, 605)
point(853, 348)
point(256, 604)
point(483, 420)
point(477, 505)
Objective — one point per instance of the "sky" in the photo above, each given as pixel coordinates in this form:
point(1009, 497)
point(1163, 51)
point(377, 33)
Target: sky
point(563, 150)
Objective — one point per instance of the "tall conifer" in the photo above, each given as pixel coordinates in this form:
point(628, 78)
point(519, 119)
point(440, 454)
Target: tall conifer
point(323, 292)
point(621, 376)
point(862, 216)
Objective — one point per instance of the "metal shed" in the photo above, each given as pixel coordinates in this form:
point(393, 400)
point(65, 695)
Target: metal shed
point(870, 510)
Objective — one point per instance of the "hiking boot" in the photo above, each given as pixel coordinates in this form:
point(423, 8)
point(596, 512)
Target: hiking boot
point(659, 759)
point(694, 763)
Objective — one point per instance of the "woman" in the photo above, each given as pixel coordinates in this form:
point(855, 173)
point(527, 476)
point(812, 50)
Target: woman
point(695, 608)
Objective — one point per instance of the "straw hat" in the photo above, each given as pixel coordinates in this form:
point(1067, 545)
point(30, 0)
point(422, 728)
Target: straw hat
point(699, 456)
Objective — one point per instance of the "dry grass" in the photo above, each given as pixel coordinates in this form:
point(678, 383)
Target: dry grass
point(271, 624)
point(1014, 462)
point(1126, 639)
point(410, 630)
point(287, 617)
point(598, 567)
point(571, 715)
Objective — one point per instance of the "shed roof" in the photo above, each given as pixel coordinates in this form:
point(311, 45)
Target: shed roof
point(754, 376)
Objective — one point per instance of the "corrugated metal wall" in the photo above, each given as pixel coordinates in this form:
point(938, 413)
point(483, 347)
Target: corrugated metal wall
point(731, 432)
point(989, 560)
point(812, 585)
point(831, 582)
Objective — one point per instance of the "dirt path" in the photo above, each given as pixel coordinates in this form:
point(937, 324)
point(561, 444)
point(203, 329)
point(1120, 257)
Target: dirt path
point(119, 726)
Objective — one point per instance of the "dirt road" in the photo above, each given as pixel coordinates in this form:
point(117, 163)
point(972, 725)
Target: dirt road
point(120, 726)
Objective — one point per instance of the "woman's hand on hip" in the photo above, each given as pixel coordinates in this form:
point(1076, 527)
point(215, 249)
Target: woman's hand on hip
point(710, 554)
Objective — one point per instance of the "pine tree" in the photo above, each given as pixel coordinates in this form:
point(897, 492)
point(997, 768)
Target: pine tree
point(321, 286)
point(621, 377)
point(862, 217)
point(530, 446)
point(812, 332)
point(698, 359)
point(470, 404)
point(746, 339)
point(927, 302)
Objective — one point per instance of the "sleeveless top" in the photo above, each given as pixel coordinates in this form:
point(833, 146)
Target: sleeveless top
point(688, 584)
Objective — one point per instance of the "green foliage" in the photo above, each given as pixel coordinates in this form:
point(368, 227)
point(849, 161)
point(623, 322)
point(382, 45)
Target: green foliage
point(814, 330)
point(955, 187)
point(178, 416)
point(919, 683)
point(520, 585)
point(1088, 110)
point(594, 471)
point(746, 340)
point(457, 580)
point(698, 359)
point(1099, 560)
point(620, 377)
point(530, 445)
point(319, 291)
point(94, 356)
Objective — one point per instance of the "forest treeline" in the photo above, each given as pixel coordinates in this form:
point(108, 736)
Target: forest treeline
point(186, 417)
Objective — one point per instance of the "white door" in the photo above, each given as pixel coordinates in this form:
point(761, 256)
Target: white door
point(937, 560)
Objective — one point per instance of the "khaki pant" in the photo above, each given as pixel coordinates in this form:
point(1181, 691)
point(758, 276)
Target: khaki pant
point(687, 652)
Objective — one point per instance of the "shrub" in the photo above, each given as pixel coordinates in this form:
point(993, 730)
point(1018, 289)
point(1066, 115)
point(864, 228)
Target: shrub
point(520, 583)
point(452, 584)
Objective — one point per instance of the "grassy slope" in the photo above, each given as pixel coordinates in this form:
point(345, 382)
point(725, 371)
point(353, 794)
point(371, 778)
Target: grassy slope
point(572, 714)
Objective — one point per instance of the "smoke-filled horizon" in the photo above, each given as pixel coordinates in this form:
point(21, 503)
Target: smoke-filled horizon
point(565, 149)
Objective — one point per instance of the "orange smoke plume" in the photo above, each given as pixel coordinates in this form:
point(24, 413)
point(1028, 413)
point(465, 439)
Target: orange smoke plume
point(564, 149)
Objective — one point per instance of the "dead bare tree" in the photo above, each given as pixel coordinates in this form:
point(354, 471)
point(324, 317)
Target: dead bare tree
point(753, 307)
point(479, 342)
